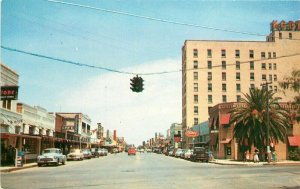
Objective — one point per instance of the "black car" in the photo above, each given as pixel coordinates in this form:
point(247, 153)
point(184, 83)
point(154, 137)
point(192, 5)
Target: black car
point(200, 154)
point(95, 152)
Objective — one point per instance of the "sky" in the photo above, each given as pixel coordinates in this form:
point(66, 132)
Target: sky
point(121, 42)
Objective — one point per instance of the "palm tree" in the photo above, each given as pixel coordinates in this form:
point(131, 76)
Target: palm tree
point(250, 119)
point(292, 83)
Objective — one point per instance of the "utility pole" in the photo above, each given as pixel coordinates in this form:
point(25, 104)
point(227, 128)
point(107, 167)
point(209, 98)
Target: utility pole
point(266, 85)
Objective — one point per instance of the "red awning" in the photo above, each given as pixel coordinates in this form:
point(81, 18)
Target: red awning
point(226, 141)
point(224, 120)
point(294, 140)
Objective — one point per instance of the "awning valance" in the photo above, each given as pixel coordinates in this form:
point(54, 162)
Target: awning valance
point(294, 140)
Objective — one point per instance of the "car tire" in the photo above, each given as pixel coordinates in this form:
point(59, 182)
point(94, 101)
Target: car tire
point(39, 164)
point(57, 163)
point(64, 162)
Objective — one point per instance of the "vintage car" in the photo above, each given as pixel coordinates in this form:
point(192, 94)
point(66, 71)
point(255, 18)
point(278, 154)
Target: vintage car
point(87, 153)
point(51, 156)
point(75, 154)
point(199, 154)
point(131, 151)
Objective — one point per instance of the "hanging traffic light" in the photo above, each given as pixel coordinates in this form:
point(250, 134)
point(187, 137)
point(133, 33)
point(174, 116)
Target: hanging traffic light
point(137, 84)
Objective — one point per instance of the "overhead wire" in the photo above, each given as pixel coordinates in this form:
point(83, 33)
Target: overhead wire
point(160, 19)
point(133, 73)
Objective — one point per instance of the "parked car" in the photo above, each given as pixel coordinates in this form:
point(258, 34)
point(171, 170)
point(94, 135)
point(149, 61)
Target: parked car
point(178, 152)
point(170, 153)
point(87, 154)
point(148, 150)
point(51, 156)
point(75, 154)
point(131, 151)
point(95, 152)
point(200, 154)
point(103, 152)
point(182, 153)
point(187, 154)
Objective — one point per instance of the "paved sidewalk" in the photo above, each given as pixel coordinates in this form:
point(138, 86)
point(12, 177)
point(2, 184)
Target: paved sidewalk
point(4, 169)
point(233, 162)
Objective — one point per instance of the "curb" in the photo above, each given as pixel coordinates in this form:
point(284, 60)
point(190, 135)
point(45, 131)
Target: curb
point(238, 164)
point(16, 168)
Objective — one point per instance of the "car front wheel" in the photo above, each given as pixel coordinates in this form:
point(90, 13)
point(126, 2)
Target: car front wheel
point(64, 162)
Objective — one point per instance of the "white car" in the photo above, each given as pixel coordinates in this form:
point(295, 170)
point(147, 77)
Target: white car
point(75, 154)
point(188, 153)
point(51, 156)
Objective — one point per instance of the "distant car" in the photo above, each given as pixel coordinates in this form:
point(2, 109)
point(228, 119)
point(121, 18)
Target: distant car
point(87, 153)
point(182, 153)
point(51, 156)
point(170, 153)
point(141, 150)
point(187, 154)
point(95, 152)
point(131, 151)
point(178, 152)
point(148, 150)
point(103, 152)
point(200, 154)
point(75, 154)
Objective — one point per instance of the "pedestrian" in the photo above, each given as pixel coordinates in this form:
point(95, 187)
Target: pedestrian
point(247, 156)
point(21, 154)
point(274, 156)
point(11, 154)
point(256, 158)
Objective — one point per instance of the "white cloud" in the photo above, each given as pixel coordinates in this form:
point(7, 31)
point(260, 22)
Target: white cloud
point(136, 116)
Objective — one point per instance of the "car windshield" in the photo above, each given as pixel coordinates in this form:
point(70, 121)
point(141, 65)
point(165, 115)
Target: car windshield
point(46, 151)
point(77, 151)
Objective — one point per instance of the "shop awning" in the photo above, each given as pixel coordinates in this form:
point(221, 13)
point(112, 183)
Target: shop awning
point(226, 141)
point(294, 140)
point(224, 120)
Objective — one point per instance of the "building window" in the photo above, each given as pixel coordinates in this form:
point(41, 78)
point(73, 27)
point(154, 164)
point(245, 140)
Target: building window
point(195, 121)
point(238, 98)
point(237, 65)
point(210, 101)
point(196, 99)
point(223, 76)
point(238, 87)
point(195, 64)
point(195, 87)
point(269, 55)
point(209, 54)
point(290, 36)
point(275, 88)
point(238, 76)
point(275, 66)
point(251, 76)
point(251, 54)
point(223, 65)
point(275, 77)
point(263, 55)
point(270, 87)
point(209, 87)
point(209, 64)
point(280, 35)
point(252, 86)
point(274, 54)
point(270, 66)
point(270, 77)
point(263, 77)
point(196, 110)
point(224, 98)
point(195, 53)
point(251, 65)
point(223, 53)
point(195, 75)
point(209, 76)
point(223, 87)
point(263, 66)
point(237, 53)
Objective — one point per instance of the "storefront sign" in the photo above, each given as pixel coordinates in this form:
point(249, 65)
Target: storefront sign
point(191, 133)
point(9, 92)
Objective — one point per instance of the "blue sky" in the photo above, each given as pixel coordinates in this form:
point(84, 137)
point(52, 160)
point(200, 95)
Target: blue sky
point(124, 43)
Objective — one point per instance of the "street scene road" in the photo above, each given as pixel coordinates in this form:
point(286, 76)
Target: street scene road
point(150, 170)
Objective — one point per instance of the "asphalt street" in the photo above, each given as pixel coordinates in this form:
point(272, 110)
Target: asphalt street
point(149, 170)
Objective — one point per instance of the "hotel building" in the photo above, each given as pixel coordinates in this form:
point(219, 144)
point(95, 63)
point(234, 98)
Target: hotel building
point(222, 71)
